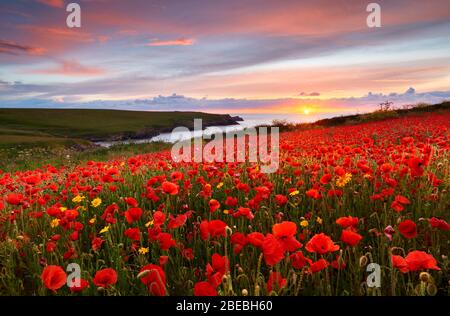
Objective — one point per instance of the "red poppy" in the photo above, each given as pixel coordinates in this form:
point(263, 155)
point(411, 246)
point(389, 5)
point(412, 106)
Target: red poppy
point(204, 289)
point(325, 178)
point(165, 241)
point(77, 289)
point(275, 282)
point(175, 222)
point(439, 223)
point(154, 280)
point(105, 277)
point(285, 232)
point(97, 243)
point(273, 250)
point(350, 238)
point(318, 266)
point(245, 212)
point(408, 229)
point(321, 244)
point(346, 222)
point(281, 199)
point(214, 205)
point(420, 260)
point(131, 201)
point(14, 198)
point(217, 269)
point(133, 234)
point(400, 263)
point(239, 241)
point(313, 193)
point(133, 214)
point(53, 277)
point(298, 260)
point(158, 218)
point(256, 239)
point(170, 187)
point(213, 229)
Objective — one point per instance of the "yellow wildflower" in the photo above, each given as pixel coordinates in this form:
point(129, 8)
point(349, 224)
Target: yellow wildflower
point(294, 193)
point(304, 223)
point(63, 209)
point(105, 229)
point(149, 223)
point(226, 212)
point(143, 251)
point(319, 220)
point(81, 208)
point(219, 185)
point(96, 202)
point(342, 181)
point(78, 199)
point(54, 223)
point(92, 220)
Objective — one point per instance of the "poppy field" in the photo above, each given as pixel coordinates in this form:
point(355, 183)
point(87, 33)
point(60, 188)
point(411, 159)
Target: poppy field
point(343, 199)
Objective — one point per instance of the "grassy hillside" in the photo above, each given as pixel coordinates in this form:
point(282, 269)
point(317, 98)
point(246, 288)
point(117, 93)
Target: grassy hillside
point(28, 126)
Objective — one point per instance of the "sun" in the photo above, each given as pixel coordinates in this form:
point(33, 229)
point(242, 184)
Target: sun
point(306, 111)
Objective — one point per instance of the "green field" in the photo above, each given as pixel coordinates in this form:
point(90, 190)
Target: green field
point(43, 126)
point(30, 138)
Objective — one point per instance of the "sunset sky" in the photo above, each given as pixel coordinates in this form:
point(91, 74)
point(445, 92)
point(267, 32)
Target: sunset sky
point(234, 56)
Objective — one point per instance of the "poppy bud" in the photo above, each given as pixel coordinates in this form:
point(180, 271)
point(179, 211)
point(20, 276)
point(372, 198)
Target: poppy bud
point(143, 274)
point(431, 289)
point(244, 292)
point(43, 262)
point(257, 289)
point(100, 289)
point(425, 277)
point(363, 261)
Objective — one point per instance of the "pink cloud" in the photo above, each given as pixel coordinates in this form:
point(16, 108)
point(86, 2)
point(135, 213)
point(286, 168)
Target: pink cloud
point(53, 3)
point(13, 48)
point(71, 68)
point(176, 42)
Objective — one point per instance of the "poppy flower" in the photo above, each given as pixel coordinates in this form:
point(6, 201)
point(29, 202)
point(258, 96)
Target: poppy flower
point(158, 218)
point(256, 239)
point(97, 243)
point(321, 244)
point(350, 238)
point(285, 232)
point(217, 269)
point(408, 229)
point(77, 289)
point(175, 222)
point(346, 222)
point(214, 205)
point(420, 260)
point(204, 289)
point(244, 212)
point(298, 260)
point(105, 277)
point(439, 223)
point(213, 229)
point(165, 241)
point(154, 279)
point(273, 250)
point(313, 193)
point(239, 241)
point(318, 266)
point(275, 282)
point(53, 277)
point(170, 188)
point(131, 201)
point(400, 263)
point(325, 178)
point(133, 234)
point(133, 214)
point(14, 198)
point(281, 199)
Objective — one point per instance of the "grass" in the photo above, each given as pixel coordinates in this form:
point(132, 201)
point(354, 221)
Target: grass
point(94, 124)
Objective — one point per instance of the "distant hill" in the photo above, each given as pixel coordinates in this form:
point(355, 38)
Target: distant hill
point(22, 126)
point(360, 118)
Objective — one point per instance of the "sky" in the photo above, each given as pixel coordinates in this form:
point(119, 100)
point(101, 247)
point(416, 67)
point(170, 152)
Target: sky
point(260, 57)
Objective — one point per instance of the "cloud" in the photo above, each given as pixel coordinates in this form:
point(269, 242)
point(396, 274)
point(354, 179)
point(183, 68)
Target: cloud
point(70, 68)
point(176, 42)
point(52, 3)
point(311, 94)
point(7, 47)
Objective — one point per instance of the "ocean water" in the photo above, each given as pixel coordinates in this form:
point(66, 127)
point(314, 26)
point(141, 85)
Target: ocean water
point(249, 120)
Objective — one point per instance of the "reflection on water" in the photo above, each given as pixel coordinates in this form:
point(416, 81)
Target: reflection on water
point(250, 120)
